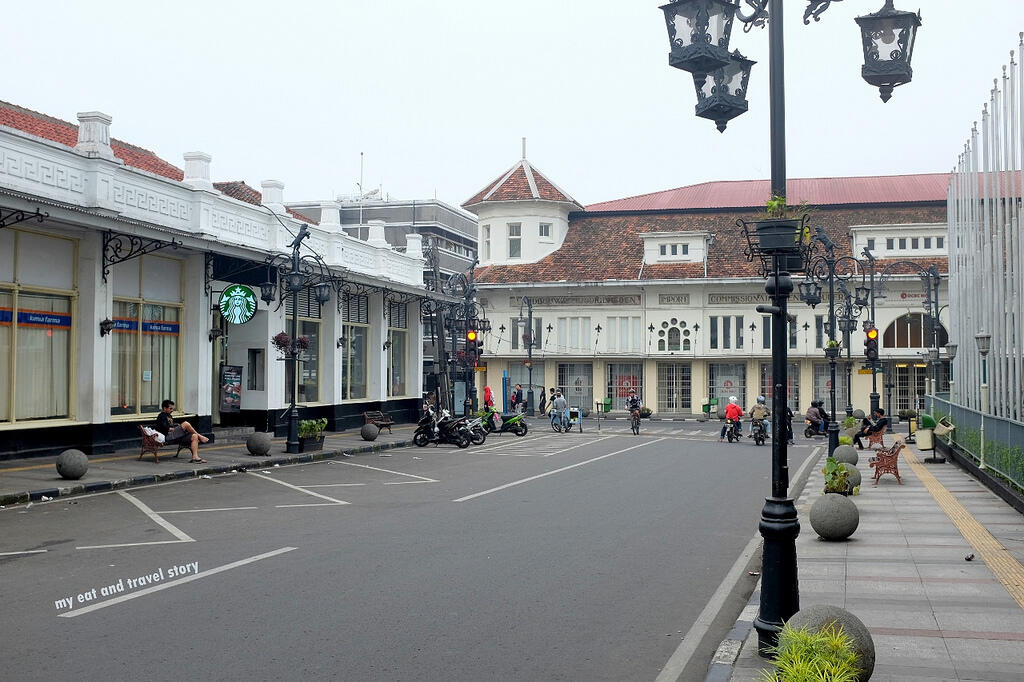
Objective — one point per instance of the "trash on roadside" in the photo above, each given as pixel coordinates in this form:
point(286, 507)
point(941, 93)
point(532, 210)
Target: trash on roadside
point(753, 572)
point(417, 458)
point(384, 454)
point(28, 505)
point(277, 465)
point(969, 557)
point(44, 498)
point(264, 472)
point(206, 476)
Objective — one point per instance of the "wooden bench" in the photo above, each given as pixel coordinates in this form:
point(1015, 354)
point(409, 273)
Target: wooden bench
point(887, 461)
point(151, 444)
point(378, 419)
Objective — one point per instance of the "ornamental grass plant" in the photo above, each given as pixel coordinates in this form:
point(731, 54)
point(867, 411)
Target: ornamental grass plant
point(803, 655)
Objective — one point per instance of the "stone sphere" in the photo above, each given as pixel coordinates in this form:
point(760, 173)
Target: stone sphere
point(258, 444)
point(819, 616)
point(854, 478)
point(369, 432)
point(846, 453)
point(834, 517)
point(858, 414)
point(72, 464)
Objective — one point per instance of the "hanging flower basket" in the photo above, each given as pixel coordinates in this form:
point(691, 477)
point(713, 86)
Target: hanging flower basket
point(833, 352)
point(779, 234)
point(283, 343)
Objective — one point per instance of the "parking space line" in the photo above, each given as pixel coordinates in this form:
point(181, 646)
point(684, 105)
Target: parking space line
point(310, 504)
point(174, 583)
point(135, 544)
point(556, 471)
point(334, 485)
point(193, 511)
point(27, 551)
point(166, 525)
point(578, 445)
point(295, 487)
point(389, 471)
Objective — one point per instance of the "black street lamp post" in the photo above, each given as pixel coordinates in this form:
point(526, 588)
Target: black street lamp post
point(526, 331)
point(699, 32)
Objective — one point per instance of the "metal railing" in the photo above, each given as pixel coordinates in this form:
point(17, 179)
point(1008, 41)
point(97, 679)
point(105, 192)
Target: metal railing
point(993, 443)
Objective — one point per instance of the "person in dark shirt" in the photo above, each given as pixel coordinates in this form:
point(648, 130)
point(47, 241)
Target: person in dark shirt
point(179, 433)
point(880, 424)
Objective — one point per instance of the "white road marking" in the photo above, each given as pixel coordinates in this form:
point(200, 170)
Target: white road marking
point(295, 487)
point(311, 504)
point(27, 551)
point(389, 471)
point(578, 445)
point(407, 482)
point(174, 583)
point(334, 485)
point(556, 471)
point(156, 518)
point(135, 544)
point(194, 511)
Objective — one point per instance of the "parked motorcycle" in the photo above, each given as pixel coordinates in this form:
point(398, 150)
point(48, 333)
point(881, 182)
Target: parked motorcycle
point(477, 432)
point(758, 431)
point(509, 422)
point(443, 429)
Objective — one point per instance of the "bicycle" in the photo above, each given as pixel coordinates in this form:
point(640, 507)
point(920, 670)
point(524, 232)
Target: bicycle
point(634, 422)
point(559, 421)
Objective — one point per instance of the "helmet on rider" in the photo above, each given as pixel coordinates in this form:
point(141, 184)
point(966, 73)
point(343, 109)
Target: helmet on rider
point(760, 400)
point(632, 391)
point(733, 399)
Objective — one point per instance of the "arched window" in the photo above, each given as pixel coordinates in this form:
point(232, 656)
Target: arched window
point(912, 331)
point(661, 344)
point(673, 338)
point(686, 345)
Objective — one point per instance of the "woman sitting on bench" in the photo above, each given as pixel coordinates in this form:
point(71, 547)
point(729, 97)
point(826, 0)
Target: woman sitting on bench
point(179, 433)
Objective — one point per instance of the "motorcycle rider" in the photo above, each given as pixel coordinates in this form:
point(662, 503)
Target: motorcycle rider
point(733, 413)
point(825, 416)
point(814, 416)
point(759, 412)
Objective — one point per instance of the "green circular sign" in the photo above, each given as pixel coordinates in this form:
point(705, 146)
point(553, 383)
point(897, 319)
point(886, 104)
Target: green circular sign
point(237, 304)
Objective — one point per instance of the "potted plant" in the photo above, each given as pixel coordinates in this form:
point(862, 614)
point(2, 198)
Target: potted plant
point(780, 227)
point(311, 434)
point(808, 654)
point(832, 349)
point(283, 343)
point(836, 476)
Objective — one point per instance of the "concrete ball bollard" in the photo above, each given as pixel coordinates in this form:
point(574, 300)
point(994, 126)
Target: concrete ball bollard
point(258, 444)
point(846, 453)
point(858, 414)
point(819, 616)
point(854, 479)
point(834, 517)
point(72, 464)
point(369, 432)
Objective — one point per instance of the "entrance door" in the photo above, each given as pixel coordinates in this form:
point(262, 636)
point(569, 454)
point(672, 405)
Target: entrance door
point(674, 389)
point(219, 357)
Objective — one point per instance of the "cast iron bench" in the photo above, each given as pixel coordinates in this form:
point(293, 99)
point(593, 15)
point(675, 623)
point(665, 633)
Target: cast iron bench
point(379, 419)
point(151, 444)
point(887, 461)
point(875, 438)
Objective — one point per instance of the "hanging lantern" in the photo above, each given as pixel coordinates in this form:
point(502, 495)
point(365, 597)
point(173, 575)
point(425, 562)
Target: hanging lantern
point(722, 94)
point(888, 40)
point(698, 33)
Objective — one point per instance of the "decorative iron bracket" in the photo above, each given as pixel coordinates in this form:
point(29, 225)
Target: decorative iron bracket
point(118, 248)
point(759, 17)
point(13, 217)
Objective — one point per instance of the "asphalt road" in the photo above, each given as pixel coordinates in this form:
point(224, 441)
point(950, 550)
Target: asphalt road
point(550, 557)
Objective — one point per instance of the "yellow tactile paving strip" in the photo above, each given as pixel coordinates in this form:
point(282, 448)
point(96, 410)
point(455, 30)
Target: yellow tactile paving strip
point(1003, 564)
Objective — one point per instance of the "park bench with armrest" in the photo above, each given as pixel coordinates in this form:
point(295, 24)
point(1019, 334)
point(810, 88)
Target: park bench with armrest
point(886, 461)
point(379, 419)
point(875, 439)
point(151, 444)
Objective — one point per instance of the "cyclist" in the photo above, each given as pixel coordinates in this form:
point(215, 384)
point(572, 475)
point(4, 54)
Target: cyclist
point(733, 413)
point(559, 407)
point(633, 404)
point(758, 412)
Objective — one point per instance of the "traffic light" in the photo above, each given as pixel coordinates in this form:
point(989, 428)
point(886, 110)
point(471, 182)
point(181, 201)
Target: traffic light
point(871, 344)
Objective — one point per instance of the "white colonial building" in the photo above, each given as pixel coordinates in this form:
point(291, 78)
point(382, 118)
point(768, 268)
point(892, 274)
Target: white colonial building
point(112, 262)
point(654, 291)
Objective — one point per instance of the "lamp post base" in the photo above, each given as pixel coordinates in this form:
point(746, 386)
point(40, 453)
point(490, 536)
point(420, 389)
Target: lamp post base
point(780, 591)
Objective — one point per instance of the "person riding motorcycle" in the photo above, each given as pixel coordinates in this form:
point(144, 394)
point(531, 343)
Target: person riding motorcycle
point(733, 413)
point(759, 412)
point(814, 416)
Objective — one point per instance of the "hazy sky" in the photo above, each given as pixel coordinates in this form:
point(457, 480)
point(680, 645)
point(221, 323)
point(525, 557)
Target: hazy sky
point(438, 94)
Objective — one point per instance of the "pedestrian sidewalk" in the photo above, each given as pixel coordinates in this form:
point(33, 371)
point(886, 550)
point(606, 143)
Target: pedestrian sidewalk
point(33, 478)
point(934, 571)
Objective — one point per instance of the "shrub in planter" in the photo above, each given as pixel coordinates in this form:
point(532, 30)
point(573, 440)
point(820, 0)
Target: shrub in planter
point(818, 617)
point(807, 654)
point(311, 434)
point(836, 476)
point(846, 440)
point(849, 422)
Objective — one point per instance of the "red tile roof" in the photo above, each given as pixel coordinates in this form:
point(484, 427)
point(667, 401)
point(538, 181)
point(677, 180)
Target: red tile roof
point(893, 189)
point(62, 132)
point(238, 189)
point(522, 182)
point(601, 247)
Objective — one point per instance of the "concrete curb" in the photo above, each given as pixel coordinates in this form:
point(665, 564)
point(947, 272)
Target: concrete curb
point(150, 479)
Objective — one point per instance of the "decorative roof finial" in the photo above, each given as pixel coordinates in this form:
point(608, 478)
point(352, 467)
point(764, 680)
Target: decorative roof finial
point(524, 148)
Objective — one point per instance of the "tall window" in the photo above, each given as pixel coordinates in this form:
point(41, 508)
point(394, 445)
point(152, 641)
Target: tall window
point(515, 240)
point(731, 328)
point(727, 379)
point(575, 335)
point(576, 379)
point(309, 365)
point(822, 383)
point(674, 390)
point(485, 242)
point(792, 379)
point(623, 334)
point(146, 337)
point(398, 344)
point(622, 377)
point(518, 332)
point(355, 334)
point(766, 333)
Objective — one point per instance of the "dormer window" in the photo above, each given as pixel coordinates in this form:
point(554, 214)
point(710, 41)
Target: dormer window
point(675, 247)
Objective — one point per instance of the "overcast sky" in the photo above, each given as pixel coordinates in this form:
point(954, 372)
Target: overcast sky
point(438, 94)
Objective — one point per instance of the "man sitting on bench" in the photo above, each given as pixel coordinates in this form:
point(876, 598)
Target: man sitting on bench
point(179, 433)
point(878, 426)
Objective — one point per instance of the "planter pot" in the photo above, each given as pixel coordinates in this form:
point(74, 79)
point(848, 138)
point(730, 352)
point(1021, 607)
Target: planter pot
point(834, 517)
point(847, 454)
point(818, 616)
point(311, 444)
point(778, 235)
point(832, 352)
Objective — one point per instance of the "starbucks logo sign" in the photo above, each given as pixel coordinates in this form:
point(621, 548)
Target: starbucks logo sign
point(238, 304)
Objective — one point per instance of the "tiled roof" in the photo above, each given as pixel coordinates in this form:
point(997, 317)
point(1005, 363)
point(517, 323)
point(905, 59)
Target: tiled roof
point(238, 189)
point(608, 246)
point(62, 132)
point(892, 189)
point(522, 182)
